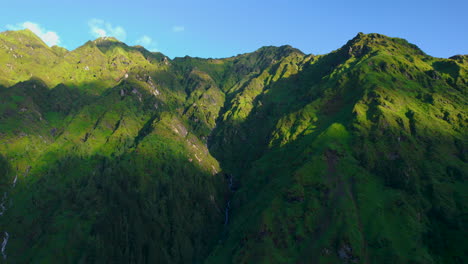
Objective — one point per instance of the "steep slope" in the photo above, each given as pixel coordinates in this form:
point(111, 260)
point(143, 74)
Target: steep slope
point(96, 182)
point(357, 157)
point(24, 55)
point(84, 151)
point(111, 153)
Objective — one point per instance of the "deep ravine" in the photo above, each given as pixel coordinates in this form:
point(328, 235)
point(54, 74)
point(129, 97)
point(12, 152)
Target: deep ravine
point(228, 205)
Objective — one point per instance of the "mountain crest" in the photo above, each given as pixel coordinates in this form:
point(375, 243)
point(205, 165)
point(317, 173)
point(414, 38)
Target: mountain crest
point(273, 156)
point(24, 37)
point(106, 40)
point(363, 44)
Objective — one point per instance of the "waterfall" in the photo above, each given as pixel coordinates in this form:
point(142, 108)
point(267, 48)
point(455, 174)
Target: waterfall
point(2, 211)
point(4, 243)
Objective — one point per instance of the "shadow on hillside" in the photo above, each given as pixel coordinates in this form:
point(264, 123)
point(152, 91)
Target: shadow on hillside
point(238, 143)
point(131, 208)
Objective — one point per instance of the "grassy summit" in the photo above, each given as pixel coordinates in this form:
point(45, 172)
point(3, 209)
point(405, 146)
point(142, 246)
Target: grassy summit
point(122, 155)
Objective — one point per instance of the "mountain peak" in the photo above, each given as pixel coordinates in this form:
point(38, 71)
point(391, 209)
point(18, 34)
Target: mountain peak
point(24, 32)
point(24, 36)
point(283, 50)
point(107, 40)
point(129, 140)
point(362, 44)
point(106, 43)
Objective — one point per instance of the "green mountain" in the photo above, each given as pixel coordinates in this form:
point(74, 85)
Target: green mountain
point(114, 154)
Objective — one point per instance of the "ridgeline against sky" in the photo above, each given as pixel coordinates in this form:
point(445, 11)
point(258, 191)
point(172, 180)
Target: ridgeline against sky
point(114, 154)
point(224, 28)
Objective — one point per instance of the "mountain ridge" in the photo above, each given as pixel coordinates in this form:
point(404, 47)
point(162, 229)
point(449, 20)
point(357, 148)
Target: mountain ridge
point(359, 36)
point(117, 154)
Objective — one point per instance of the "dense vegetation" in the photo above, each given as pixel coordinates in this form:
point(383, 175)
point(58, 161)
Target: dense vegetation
point(114, 154)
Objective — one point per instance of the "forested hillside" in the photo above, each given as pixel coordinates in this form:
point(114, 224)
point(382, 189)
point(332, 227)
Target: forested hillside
point(114, 154)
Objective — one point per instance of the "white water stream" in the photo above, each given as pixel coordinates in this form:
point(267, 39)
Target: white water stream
point(3, 209)
point(4, 244)
point(14, 181)
point(2, 204)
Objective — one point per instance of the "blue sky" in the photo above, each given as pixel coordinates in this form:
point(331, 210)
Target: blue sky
point(209, 28)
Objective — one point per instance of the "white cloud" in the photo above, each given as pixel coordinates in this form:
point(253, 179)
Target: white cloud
point(100, 28)
point(14, 27)
point(144, 41)
point(178, 28)
point(147, 42)
point(49, 37)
